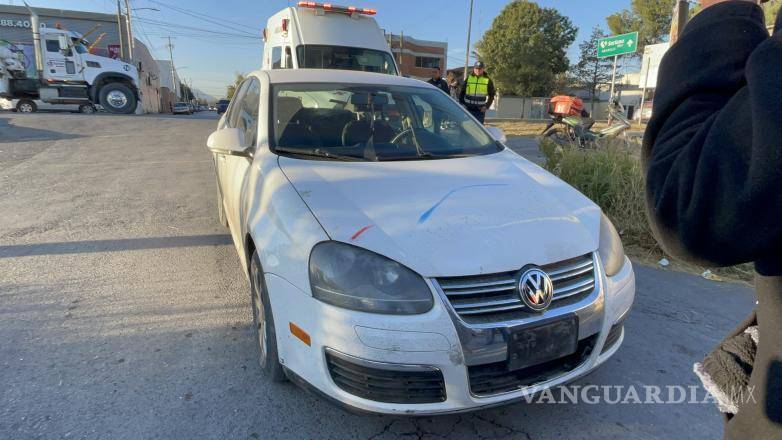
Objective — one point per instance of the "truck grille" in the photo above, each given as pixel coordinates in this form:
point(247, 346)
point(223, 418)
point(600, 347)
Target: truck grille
point(495, 297)
point(424, 385)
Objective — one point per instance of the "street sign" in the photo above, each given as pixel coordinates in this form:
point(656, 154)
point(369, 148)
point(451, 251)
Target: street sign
point(617, 45)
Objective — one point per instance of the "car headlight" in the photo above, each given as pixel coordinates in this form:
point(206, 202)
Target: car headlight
point(611, 251)
point(357, 279)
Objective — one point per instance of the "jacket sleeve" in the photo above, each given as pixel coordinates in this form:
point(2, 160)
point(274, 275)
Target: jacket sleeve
point(462, 91)
point(712, 151)
point(492, 92)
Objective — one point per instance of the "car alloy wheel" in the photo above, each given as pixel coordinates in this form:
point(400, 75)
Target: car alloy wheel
point(25, 107)
point(259, 315)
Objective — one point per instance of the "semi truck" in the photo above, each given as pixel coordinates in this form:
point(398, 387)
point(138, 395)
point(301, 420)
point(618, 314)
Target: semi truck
point(66, 73)
point(326, 36)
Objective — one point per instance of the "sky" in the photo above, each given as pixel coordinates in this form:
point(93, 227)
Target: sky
point(209, 59)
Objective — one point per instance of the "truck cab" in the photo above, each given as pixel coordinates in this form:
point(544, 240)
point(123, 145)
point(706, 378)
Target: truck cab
point(67, 73)
point(74, 74)
point(325, 36)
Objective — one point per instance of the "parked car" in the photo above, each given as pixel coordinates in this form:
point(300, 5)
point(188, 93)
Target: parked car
point(221, 106)
point(34, 105)
point(401, 259)
point(182, 108)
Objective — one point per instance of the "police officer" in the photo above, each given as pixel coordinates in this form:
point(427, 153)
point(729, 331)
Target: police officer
point(478, 92)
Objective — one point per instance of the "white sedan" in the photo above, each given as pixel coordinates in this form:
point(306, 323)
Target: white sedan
point(403, 260)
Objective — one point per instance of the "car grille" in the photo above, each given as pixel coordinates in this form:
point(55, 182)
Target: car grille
point(495, 297)
point(385, 385)
point(490, 379)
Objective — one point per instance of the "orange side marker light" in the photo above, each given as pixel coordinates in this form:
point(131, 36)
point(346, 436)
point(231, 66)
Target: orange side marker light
point(301, 334)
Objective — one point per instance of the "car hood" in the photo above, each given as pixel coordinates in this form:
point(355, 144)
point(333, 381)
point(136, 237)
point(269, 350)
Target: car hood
point(451, 217)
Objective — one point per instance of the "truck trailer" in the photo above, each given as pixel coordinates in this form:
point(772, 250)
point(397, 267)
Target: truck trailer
point(67, 73)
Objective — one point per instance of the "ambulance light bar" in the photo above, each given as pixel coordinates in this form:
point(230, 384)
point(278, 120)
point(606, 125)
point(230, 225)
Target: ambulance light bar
point(328, 7)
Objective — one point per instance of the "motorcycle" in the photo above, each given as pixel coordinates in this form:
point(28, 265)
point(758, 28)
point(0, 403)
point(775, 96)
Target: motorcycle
point(577, 131)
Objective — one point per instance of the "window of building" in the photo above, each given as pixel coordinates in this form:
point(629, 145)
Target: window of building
point(427, 62)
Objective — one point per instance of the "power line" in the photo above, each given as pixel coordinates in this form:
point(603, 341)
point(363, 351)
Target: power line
point(201, 16)
point(168, 25)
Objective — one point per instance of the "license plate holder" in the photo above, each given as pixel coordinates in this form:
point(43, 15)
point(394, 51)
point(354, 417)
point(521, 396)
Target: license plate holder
point(542, 343)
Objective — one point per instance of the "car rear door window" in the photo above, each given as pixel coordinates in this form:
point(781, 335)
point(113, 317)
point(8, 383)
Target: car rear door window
point(247, 111)
point(232, 114)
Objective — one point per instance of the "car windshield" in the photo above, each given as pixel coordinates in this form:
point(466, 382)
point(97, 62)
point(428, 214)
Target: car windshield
point(369, 122)
point(345, 58)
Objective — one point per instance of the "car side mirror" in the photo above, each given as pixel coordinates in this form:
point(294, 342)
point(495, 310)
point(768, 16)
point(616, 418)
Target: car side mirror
point(497, 134)
point(228, 141)
point(63, 40)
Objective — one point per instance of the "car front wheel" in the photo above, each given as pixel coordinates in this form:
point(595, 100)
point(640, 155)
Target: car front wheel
point(263, 321)
point(26, 106)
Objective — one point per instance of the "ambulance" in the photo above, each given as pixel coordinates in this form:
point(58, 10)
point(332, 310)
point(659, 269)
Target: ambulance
point(326, 36)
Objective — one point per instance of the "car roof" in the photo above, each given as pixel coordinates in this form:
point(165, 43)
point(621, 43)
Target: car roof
point(283, 76)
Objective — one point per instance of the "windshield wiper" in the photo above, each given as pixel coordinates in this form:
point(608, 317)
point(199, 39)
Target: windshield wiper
point(318, 152)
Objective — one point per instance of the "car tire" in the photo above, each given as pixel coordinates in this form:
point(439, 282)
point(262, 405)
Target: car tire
point(87, 109)
point(118, 98)
point(26, 106)
point(263, 322)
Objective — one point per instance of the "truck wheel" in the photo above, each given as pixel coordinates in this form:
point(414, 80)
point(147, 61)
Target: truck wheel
point(87, 109)
point(117, 98)
point(26, 106)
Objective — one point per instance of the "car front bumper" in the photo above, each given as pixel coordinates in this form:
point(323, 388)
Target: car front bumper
point(422, 344)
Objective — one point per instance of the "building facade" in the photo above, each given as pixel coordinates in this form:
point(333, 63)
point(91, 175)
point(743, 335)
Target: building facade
point(418, 58)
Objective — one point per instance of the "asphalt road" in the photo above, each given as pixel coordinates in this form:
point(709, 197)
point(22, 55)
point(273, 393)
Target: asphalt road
point(124, 313)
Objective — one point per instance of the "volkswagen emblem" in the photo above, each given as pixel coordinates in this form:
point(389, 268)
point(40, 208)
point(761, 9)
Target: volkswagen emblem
point(536, 289)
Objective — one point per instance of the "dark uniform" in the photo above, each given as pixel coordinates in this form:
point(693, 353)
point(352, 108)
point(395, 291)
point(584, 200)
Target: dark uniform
point(477, 93)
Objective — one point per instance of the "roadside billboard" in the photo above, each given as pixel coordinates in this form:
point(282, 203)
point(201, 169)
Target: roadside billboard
point(650, 64)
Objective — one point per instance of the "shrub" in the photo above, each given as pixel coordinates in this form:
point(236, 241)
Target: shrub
point(611, 177)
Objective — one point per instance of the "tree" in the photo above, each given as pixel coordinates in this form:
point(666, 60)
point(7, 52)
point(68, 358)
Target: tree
point(231, 90)
point(651, 18)
point(591, 72)
point(771, 9)
point(524, 50)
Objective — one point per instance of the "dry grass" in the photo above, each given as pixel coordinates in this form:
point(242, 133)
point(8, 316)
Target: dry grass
point(612, 177)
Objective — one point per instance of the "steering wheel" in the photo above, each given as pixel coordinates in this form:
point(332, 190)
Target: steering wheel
point(401, 134)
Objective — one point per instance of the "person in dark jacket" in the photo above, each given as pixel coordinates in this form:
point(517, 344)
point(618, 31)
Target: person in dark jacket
point(438, 81)
point(453, 84)
point(713, 159)
point(478, 92)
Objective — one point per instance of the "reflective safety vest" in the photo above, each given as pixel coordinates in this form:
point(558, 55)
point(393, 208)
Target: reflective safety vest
point(477, 90)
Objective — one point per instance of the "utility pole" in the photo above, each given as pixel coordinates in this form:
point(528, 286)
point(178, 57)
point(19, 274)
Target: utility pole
point(469, 31)
point(171, 58)
point(130, 31)
point(401, 49)
point(119, 32)
point(681, 12)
